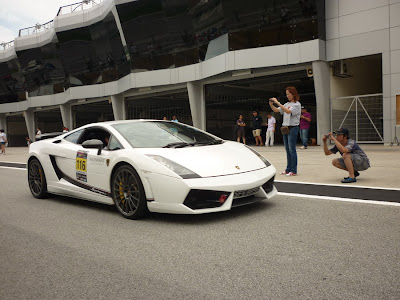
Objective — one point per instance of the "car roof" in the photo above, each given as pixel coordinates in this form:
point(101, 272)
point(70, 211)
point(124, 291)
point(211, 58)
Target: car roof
point(124, 121)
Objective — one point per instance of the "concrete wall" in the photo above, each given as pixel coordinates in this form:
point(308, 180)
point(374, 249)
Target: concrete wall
point(357, 28)
point(366, 77)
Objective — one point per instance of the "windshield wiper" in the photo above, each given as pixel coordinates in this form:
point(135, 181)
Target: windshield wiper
point(183, 144)
point(177, 145)
point(216, 142)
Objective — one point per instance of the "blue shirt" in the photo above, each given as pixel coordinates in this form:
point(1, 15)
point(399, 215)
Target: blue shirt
point(353, 147)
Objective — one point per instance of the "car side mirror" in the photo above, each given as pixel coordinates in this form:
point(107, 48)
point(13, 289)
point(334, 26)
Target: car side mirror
point(93, 144)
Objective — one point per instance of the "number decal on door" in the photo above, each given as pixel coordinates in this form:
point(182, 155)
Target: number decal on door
point(81, 166)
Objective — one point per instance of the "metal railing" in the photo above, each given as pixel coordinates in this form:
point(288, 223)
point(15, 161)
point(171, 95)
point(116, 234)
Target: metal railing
point(362, 115)
point(70, 8)
point(5, 45)
point(36, 29)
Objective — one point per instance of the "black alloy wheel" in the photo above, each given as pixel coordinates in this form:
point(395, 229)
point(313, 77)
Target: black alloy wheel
point(128, 193)
point(37, 179)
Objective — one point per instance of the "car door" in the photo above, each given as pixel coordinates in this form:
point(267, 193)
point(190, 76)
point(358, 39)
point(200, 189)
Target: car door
point(63, 156)
point(98, 165)
point(83, 168)
point(97, 170)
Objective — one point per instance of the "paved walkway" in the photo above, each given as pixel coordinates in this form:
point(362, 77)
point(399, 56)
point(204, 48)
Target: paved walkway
point(313, 165)
point(316, 167)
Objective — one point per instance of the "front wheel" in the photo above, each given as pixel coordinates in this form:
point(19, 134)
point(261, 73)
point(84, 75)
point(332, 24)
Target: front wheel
point(128, 193)
point(37, 179)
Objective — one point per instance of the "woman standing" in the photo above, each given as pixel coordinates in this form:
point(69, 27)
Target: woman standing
point(240, 132)
point(291, 112)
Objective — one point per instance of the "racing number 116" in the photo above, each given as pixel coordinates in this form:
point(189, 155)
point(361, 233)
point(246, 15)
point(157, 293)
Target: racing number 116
point(81, 164)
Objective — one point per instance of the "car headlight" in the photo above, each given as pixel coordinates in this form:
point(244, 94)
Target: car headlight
point(185, 173)
point(265, 161)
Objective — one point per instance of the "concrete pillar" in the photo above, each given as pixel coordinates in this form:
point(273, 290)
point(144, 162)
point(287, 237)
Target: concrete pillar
point(3, 122)
point(30, 124)
point(197, 103)
point(321, 70)
point(66, 115)
point(118, 105)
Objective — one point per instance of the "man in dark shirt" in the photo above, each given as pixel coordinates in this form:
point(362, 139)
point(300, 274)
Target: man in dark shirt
point(353, 157)
point(257, 121)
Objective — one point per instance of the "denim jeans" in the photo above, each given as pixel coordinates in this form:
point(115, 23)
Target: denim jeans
point(290, 146)
point(304, 136)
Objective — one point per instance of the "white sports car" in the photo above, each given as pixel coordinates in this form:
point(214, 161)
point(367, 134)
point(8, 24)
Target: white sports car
point(150, 165)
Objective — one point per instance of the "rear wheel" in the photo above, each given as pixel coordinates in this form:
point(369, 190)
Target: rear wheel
point(128, 193)
point(37, 179)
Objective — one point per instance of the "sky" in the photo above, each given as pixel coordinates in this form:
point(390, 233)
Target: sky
point(18, 14)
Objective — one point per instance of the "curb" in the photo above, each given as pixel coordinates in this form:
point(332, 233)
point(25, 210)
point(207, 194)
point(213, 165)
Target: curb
point(314, 189)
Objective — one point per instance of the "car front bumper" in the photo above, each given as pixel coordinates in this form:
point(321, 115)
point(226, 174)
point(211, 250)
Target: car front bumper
point(170, 193)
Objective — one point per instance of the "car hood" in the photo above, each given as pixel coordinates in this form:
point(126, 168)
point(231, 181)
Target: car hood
point(212, 160)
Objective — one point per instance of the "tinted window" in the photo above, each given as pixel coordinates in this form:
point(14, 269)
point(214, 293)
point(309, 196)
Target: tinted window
point(95, 134)
point(114, 144)
point(160, 134)
point(73, 137)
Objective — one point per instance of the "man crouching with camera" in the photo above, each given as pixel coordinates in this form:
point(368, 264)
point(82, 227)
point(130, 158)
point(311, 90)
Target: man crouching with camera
point(353, 157)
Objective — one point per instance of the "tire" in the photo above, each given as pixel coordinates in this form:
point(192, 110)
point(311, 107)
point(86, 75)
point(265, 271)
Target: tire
point(37, 179)
point(128, 193)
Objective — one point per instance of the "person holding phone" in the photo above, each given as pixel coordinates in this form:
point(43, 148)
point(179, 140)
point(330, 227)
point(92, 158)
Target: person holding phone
point(353, 157)
point(291, 112)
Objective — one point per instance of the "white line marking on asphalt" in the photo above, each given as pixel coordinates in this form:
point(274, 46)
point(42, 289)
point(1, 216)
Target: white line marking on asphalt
point(339, 185)
point(1, 167)
point(340, 199)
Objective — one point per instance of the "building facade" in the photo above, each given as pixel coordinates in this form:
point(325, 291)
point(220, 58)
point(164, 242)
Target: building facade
point(205, 62)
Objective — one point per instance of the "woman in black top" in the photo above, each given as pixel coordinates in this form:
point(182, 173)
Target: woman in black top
point(240, 132)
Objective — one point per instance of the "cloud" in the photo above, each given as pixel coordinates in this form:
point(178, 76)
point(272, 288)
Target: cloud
point(26, 13)
point(6, 35)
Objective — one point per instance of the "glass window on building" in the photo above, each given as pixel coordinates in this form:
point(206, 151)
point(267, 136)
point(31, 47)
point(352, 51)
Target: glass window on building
point(11, 82)
point(161, 105)
point(49, 120)
point(93, 54)
point(41, 70)
point(87, 113)
point(16, 130)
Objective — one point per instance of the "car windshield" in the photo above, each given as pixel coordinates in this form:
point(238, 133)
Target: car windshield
point(163, 134)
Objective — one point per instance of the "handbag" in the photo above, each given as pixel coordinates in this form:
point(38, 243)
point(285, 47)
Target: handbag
point(285, 130)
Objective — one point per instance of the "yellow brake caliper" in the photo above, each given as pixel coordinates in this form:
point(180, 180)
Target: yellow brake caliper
point(121, 192)
point(41, 175)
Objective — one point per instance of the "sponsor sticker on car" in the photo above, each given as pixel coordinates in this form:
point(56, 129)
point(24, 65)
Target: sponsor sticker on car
point(81, 166)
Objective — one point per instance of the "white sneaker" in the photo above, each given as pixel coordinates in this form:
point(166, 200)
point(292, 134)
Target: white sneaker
point(302, 148)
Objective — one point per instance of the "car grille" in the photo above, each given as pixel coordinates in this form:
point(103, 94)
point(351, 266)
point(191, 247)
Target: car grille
point(245, 193)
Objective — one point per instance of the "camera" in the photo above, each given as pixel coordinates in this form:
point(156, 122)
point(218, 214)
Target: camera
point(328, 135)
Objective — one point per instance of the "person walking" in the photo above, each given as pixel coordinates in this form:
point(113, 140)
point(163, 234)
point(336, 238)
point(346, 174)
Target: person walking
point(3, 141)
point(290, 126)
point(305, 121)
point(257, 122)
point(269, 136)
point(240, 130)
